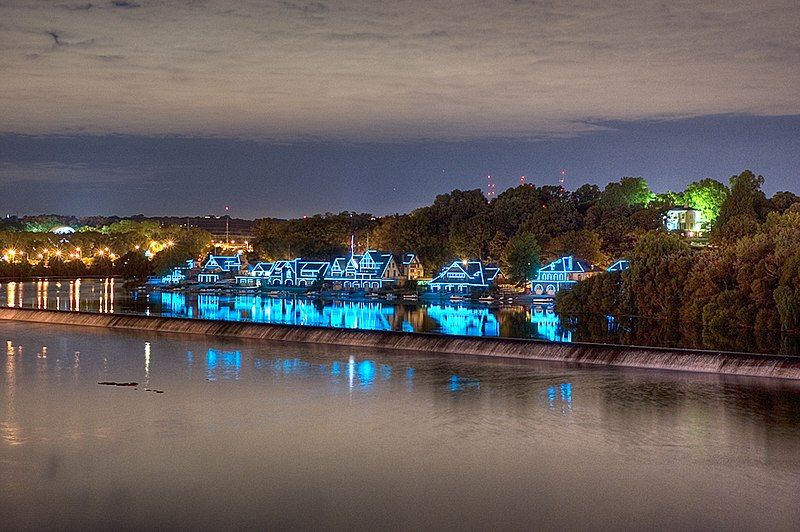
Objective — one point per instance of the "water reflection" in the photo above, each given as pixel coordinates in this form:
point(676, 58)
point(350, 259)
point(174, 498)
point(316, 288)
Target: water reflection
point(223, 364)
point(463, 318)
point(560, 397)
point(296, 421)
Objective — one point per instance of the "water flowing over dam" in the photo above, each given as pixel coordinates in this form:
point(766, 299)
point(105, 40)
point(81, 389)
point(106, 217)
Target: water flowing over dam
point(774, 366)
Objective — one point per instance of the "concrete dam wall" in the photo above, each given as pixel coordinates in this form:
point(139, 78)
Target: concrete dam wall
point(774, 366)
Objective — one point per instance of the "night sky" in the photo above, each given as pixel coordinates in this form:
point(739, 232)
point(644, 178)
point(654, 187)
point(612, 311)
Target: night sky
point(289, 108)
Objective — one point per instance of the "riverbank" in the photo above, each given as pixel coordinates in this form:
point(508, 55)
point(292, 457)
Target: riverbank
point(772, 366)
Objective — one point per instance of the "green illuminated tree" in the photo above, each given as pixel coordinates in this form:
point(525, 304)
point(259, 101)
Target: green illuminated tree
point(706, 195)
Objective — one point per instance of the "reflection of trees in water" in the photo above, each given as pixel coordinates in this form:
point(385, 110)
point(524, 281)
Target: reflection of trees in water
point(671, 333)
point(706, 404)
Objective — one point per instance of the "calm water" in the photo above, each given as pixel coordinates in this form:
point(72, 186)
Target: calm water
point(445, 317)
point(262, 435)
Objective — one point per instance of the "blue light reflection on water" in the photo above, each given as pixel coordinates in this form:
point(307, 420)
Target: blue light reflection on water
point(462, 319)
point(223, 364)
point(440, 316)
point(560, 397)
point(357, 374)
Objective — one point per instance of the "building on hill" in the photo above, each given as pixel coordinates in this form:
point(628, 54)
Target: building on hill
point(561, 274)
point(368, 271)
point(464, 277)
point(689, 222)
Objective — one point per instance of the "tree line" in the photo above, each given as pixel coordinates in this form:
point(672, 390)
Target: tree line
point(747, 277)
point(519, 229)
point(129, 248)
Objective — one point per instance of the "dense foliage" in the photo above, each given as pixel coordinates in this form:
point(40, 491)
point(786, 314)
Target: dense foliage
point(748, 278)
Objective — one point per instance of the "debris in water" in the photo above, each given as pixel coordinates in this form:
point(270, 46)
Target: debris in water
point(110, 383)
point(154, 391)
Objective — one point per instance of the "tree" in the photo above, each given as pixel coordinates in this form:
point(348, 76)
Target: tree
point(471, 238)
point(781, 201)
point(746, 203)
point(654, 282)
point(708, 196)
point(585, 196)
point(629, 192)
point(601, 294)
point(521, 258)
point(134, 265)
point(513, 207)
point(583, 244)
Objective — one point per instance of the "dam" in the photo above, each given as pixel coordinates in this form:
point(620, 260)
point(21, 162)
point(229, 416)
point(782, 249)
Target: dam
point(687, 360)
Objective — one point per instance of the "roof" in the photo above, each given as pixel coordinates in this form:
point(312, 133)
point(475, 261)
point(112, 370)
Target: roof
point(373, 262)
point(263, 266)
point(618, 266)
point(475, 272)
point(408, 258)
point(222, 262)
point(569, 264)
point(309, 268)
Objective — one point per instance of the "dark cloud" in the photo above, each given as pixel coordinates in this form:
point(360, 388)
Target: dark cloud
point(125, 5)
point(311, 8)
point(56, 39)
point(78, 7)
point(363, 36)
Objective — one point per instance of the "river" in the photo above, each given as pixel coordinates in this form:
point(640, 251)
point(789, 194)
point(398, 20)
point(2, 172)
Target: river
point(254, 434)
point(444, 317)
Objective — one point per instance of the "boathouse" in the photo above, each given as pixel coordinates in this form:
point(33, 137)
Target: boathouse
point(464, 277)
point(371, 270)
point(293, 272)
point(561, 274)
point(218, 267)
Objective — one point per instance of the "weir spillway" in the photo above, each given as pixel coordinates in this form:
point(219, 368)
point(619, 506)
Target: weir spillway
point(754, 365)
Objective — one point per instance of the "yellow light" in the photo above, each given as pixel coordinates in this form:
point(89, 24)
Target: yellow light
point(170, 243)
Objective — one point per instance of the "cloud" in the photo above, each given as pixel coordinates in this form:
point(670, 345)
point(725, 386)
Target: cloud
point(310, 8)
point(366, 70)
point(82, 173)
point(125, 5)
